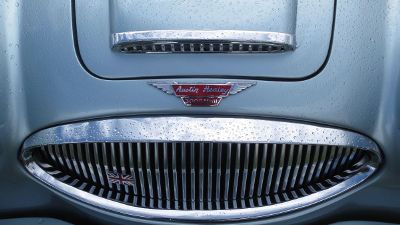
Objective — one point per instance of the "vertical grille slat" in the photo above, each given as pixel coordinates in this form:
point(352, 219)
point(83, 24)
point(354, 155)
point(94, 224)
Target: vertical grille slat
point(166, 171)
point(245, 171)
point(184, 175)
point(219, 173)
point(49, 149)
point(321, 161)
point(114, 164)
point(254, 171)
point(58, 154)
point(81, 161)
point(344, 159)
point(209, 174)
point(288, 169)
point(140, 169)
point(279, 172)
point(132, 168)
point(313, 164)
point(157, 170)
point(305, 166)
point(74, 161)
point(329, 160)
point(192, 175)
point(175, 175)
point(97, 162)
point(123, 167)
point(227, 171)
point(336, 161)
point(236, 172)
point(89, 163)
point(148, 171)
point(65, 157)
point(262, 180)
point(201, 176)
point(271, 170)
point(104, 161)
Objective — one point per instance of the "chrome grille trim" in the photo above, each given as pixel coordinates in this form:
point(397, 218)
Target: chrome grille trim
point(202, 41)
point(276, 141)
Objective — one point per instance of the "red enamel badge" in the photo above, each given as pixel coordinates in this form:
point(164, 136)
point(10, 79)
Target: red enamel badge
point(202, 94)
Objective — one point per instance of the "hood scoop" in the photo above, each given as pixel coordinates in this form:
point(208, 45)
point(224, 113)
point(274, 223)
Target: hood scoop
point(270, 39)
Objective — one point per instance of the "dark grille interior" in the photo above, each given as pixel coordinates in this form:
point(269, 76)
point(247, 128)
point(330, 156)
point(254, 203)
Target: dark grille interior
point(201, 176)
point(222, 47)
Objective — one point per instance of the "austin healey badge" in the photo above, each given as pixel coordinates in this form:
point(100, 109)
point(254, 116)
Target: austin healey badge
point(201, 94)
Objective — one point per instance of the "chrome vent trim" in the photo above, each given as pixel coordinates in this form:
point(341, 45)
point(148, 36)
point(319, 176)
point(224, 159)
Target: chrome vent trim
point(202, 41)
point(82, 147)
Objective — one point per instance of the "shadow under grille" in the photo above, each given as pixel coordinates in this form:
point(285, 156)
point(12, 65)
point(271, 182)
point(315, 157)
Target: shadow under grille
point(200, 175)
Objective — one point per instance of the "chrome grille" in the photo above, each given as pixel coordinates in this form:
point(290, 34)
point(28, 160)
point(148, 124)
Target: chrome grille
point(185, 168)
point(201, 176)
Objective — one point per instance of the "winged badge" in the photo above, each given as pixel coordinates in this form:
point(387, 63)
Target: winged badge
point(201, 94)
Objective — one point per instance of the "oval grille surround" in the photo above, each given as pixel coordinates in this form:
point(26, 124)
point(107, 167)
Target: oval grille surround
point(203, 178)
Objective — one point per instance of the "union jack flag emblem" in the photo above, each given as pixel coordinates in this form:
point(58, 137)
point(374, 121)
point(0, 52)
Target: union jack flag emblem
point(120, 179)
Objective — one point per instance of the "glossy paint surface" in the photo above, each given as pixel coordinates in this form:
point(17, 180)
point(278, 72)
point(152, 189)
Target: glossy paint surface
point(43, 84)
